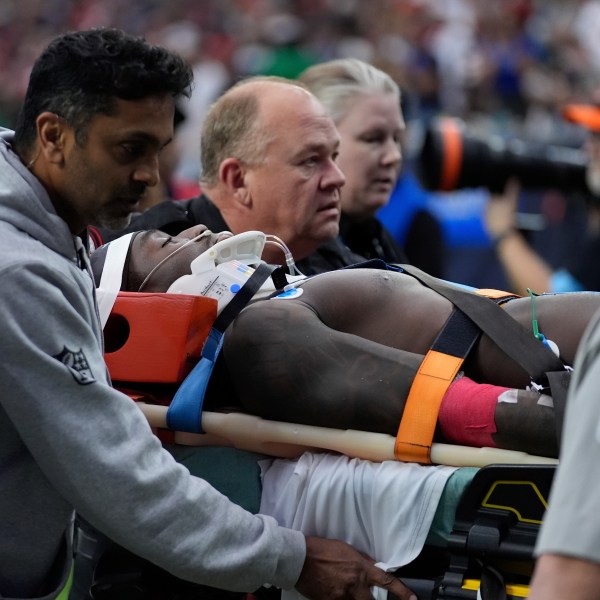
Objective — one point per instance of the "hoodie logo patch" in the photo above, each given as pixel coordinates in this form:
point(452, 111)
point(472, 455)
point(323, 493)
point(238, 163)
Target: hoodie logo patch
point(77, 364)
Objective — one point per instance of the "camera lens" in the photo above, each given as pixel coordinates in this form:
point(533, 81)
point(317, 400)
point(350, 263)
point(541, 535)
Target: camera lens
point(451, 158)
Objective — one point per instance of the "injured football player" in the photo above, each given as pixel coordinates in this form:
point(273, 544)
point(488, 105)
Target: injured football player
point(342, 349)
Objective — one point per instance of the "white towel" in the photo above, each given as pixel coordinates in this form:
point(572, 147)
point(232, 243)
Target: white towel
point(382, 509)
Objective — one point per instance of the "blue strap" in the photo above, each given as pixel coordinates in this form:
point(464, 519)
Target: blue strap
point(185, 411)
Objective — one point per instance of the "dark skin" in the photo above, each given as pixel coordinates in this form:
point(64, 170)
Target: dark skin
point(102, 181)
point(345, 352)
point(332, 569)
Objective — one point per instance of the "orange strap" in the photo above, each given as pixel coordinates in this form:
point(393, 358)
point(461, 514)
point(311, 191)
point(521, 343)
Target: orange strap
point(453, 150)
point(437, 371)
point(417, 427)
point(499, 296)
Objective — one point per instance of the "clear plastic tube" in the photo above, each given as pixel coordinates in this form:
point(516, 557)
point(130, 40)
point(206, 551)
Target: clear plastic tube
point(271, 239)
point(289, 259)
point(166, 258)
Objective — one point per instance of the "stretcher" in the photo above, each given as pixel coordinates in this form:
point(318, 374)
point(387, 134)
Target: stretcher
point(485, 520)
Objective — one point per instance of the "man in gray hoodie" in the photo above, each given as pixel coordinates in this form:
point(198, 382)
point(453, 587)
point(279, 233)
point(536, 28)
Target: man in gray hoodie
point(98, 110)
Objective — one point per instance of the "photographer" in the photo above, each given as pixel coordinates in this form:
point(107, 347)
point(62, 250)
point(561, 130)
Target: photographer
point(522, 265)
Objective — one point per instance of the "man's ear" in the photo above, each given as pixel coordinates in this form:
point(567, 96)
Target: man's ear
point(232, 175)
point(51, 131)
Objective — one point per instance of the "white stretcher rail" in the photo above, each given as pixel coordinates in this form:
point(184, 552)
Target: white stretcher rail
point(290, 440)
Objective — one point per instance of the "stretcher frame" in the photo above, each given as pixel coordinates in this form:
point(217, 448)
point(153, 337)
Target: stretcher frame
point(488, 537)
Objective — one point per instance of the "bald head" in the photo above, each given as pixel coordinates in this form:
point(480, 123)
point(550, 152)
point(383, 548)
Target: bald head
point(282, 106)
point(243, 121)
point(268, 150)
point(276, 94)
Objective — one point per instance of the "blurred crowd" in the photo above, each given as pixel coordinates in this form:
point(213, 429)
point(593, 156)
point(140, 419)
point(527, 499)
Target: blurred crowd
point(510, 64)
point(504, 66)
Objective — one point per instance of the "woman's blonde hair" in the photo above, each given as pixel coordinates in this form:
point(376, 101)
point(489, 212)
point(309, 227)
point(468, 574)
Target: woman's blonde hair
point(336, 82)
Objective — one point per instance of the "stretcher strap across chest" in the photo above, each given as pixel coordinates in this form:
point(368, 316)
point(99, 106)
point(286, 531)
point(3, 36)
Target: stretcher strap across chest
point(417, 428)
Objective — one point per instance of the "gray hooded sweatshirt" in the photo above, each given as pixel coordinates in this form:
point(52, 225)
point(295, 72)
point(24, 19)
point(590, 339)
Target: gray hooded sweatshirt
point(69, 441)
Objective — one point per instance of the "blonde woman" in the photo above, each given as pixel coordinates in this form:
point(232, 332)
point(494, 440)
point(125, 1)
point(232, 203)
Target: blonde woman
point(364, 103)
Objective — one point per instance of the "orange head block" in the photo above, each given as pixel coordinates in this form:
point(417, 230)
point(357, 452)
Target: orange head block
point(156, 338)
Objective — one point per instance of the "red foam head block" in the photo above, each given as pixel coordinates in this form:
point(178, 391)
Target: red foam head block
point(156, 338)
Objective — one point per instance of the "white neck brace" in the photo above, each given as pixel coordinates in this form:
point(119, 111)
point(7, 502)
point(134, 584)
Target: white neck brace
point(112, 275)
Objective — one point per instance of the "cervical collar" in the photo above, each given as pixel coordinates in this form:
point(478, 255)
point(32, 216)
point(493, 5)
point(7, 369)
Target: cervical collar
point(109, 264)
point(222, 270)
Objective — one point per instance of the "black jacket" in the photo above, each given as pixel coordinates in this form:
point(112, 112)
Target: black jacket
point(369, 238)
point(423, 247)
point(173, 216)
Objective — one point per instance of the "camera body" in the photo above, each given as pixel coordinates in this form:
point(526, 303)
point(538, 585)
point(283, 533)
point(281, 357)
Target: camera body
point(450, 158)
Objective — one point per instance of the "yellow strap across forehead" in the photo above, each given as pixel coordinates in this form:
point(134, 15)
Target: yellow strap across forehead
point(112, 275)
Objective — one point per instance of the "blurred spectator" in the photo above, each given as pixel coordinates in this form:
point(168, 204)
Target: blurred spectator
point(284, 55)
point(211, 76)
point(459, 56)
point(505, 52)
point(505, 67)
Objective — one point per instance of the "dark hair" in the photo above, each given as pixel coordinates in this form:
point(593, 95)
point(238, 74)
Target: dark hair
point(83, 73)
